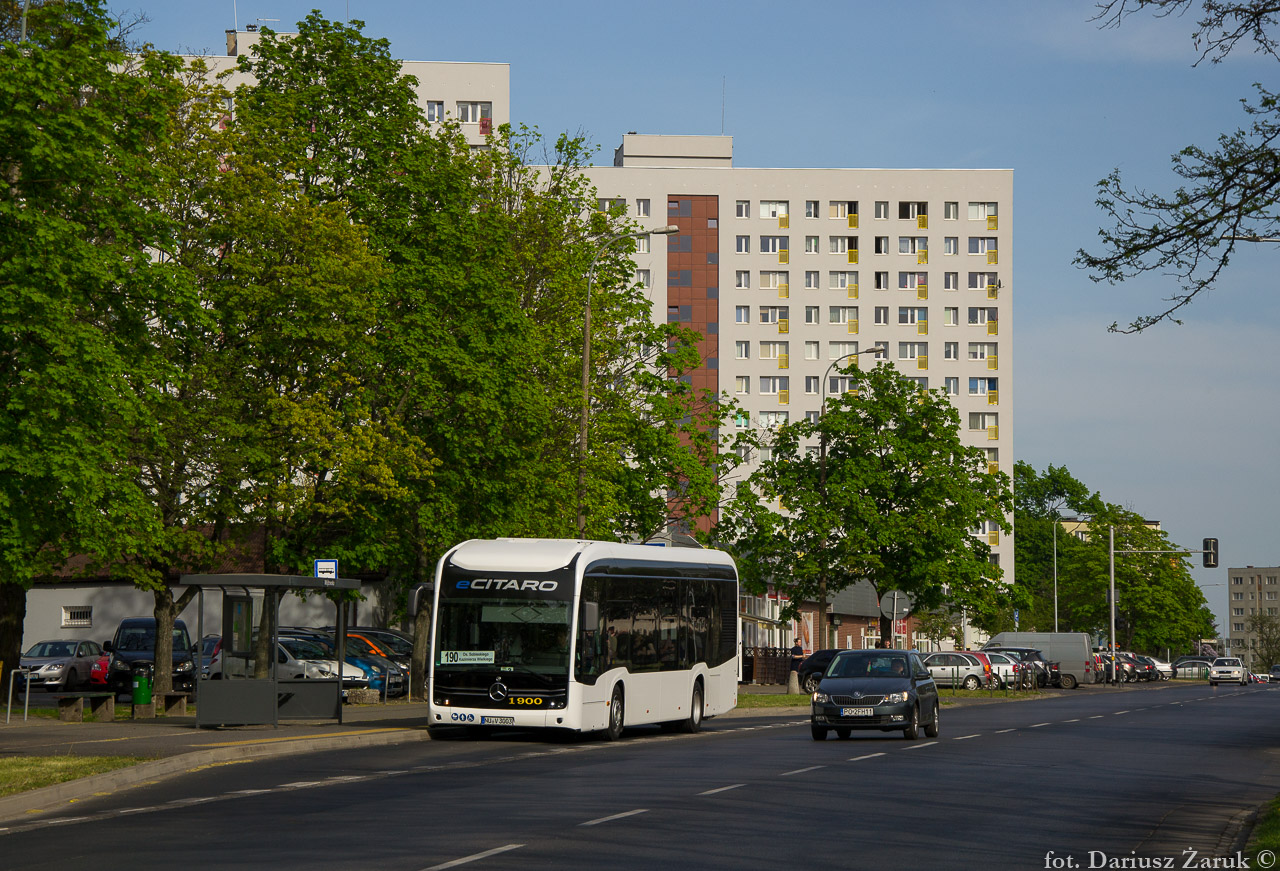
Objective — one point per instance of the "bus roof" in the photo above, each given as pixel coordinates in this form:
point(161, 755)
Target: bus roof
point(548, 554)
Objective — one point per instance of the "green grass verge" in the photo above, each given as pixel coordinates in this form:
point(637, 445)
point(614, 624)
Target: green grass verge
point(1266, 832)
point(773, 700)
point(21, 773)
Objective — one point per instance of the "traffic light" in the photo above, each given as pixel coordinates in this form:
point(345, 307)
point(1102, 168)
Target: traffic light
point(1210, 553)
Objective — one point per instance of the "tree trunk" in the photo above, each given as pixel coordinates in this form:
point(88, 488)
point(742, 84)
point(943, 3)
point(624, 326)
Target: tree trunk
point(165, 612)
point(13, 611)
point(421, 648)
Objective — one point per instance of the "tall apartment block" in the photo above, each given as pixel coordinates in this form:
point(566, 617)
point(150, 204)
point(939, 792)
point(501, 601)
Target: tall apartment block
point(1251, 592)
point(786, 271)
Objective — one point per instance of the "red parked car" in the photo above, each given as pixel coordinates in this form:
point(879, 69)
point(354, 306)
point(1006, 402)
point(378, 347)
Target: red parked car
point(98, 672)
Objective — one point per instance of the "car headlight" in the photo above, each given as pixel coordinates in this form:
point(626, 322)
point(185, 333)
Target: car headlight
point(183, 666)
point(55, 667)
point(896, 697)
point(119, 665)
point(821, 698)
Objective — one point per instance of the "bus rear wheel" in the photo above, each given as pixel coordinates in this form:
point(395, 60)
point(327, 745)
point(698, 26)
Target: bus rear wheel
point(617, 715)
point(694, 721)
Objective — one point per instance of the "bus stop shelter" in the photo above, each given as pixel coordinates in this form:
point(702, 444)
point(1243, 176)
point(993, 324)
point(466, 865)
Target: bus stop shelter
point(243, 700)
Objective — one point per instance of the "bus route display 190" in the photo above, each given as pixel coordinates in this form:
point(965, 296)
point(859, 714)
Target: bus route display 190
point(582, 635)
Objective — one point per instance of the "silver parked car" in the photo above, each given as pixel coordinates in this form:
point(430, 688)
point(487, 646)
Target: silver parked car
point(60, 665)
point(1004, 669)
point(1227, 669)
point(955, 670)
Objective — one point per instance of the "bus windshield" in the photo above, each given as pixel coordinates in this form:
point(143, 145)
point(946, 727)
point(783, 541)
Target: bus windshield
point(496, 633)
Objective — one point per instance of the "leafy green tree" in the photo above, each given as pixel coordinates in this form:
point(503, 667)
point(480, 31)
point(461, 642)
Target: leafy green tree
point(894, 502)
point(79, 124)
point(1264, 643)
point(1226, 192)
point(1039, 501)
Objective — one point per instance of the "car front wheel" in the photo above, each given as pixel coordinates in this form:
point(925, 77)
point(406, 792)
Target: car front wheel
point(819, 732)
point(811, 683)
point(931, 730)
point(971, 682)
point(912, 732)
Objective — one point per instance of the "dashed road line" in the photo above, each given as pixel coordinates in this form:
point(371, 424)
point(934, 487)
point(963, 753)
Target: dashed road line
point(613, 817)
point(867, 756)
point(1038, 725)
point(474, 857)
point(1002, 731)
point(918, 746)
point(801, 770)
point(966, 737)
point(722, 789)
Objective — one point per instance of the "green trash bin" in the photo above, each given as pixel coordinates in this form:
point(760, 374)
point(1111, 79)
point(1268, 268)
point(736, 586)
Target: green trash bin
point(142, 688)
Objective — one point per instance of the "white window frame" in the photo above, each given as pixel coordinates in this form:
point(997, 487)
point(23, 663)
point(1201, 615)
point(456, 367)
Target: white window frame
point(812, 350)
point(742, 279)
point(742, 350)
point(982, 211)
point(743, 244)
point(743, 208)
point(642, 208)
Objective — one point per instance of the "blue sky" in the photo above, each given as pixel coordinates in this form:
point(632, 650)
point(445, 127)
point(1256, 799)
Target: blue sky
point(1178, 424)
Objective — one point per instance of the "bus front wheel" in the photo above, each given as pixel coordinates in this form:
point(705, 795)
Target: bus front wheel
point(617, 715)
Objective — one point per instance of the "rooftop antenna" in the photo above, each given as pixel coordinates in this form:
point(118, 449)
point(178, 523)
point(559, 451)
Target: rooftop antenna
point(722, 86)
point(235, 16)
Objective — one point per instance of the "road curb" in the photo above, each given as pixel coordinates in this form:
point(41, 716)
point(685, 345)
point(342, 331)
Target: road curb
point(24, 804)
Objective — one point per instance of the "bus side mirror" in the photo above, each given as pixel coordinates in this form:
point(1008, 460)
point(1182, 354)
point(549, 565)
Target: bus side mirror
point(420, 597)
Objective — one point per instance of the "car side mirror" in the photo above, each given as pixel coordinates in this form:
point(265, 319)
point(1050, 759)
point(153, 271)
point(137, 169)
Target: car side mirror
point(108, 647)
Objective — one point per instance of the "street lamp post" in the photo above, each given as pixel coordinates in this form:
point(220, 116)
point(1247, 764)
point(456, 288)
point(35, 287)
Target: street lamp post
point(822, 483)
point(668, 230)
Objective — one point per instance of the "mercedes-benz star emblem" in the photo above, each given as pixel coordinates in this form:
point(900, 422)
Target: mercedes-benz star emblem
point(498, 692)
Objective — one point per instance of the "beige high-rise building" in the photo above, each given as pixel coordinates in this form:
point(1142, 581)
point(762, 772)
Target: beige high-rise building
point(787, 271)
point(1251, 592)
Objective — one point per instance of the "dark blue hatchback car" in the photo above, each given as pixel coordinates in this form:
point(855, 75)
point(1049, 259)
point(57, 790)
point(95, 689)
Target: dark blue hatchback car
point(875, 689)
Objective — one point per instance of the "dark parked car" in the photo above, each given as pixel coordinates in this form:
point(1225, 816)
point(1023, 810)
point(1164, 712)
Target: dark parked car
point(1046, 673)
point(58, 664)
point(134, 650)
point(812, 668)
point(875, 689)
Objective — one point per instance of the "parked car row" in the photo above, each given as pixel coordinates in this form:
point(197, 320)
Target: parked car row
point(374, 658)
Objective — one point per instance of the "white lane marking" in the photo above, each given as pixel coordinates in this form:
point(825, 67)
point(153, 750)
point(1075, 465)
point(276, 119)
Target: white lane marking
point(1038, 725)
point(721, 789)
point(1096, 717)
point(475, 857)
point(966, 737)
point(301, 784)
point(1002, 731)
point(1118, 713)
point(801, 770)
point(918, 746)
point(1076, 720)
point(247, 792)
point(868, 756)
point(620, 816)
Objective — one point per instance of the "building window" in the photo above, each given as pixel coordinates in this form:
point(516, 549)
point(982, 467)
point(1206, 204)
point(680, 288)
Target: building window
point(981, 211)
point(772, 350)
point(912, 350)
point(912, 244)
point(744, 208)
point(951, 281)
point(470, 112)
point(842, 314)
point(771, 314)
point(772, 280)
point(910, 211)
point(882, 210)
point(842, 279)
point(771, 419)
point(771, 384)
point(810, 244)
point(773, 208)
point(811, 208)
point(811, 383)
point(882, 244)
point(981, 350)
point(982, 386)
point(742, 350)
point(882, 281)
point(952, 386)
point(77, 616)
point(912, 315)
point(742, 277)
point(981, 280)
point(435, 110)
point(645, 278)
point(773, 244)
point(811, 350)
point(983, 419)
point(811, 280)
point(951, 316)
point(950, 211)
point(741, 420)
point(837, 350)
point(1237, 597)
point(981, 244)
point(981, 315)
point(951, 350)
point(912, 280)
point(744, 244)
point(642, 245)
point(882, 314)
point(882, 350)
point(642, 208)
point(951, 245)
point(742, 314)
point(811, 315)
point(742, 384)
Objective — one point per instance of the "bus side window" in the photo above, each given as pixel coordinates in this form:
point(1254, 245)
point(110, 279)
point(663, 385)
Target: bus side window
point(618, 624)
point(588, 662)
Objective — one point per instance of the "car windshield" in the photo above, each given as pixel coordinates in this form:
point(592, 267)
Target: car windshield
point(302, 648)
point(394, 643)
point(143, 638)
point(868, 663)
point(1228, 662)
point(52, 648)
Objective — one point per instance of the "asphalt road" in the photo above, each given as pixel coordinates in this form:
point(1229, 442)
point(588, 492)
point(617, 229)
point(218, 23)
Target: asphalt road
point(1088, 778)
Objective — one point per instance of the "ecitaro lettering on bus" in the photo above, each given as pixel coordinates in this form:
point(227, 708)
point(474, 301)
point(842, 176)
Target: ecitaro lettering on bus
point(507, 584)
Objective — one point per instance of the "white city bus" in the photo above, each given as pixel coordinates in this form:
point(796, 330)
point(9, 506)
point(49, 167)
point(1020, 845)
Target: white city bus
point(582, 635)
